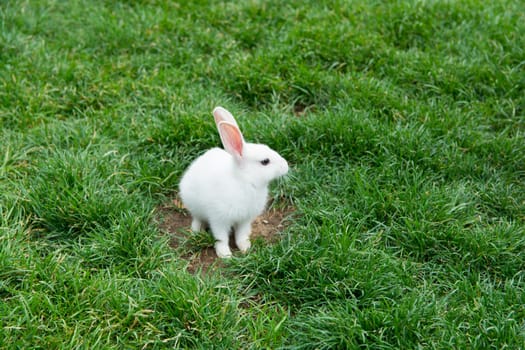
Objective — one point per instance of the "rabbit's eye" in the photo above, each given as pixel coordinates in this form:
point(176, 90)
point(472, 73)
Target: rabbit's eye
point(265, 161)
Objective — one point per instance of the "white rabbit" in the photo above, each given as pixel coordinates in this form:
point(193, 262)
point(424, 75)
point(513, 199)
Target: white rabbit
point(229, 188)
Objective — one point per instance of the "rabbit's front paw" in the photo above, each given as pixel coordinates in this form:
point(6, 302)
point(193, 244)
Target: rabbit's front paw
point(222, 249)
point(244, 245)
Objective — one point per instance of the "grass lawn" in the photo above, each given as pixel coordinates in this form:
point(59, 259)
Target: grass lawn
point(403, 123)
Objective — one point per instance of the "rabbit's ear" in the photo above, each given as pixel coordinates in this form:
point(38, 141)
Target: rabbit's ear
point(222, 115)
point(231, 138)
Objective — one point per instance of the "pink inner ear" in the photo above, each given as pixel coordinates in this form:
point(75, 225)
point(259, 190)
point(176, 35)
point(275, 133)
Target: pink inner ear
point(222, 115)
point(231, 139)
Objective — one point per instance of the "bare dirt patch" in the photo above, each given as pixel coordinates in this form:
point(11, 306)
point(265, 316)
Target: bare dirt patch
point(173, 219)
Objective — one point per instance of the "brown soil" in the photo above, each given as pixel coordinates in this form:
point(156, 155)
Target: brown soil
point(175, 221)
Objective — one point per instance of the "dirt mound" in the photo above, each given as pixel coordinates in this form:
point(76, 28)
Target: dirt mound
point(198, 247)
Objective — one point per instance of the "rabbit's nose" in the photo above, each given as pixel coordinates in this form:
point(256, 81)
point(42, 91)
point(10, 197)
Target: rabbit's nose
point(284, 167)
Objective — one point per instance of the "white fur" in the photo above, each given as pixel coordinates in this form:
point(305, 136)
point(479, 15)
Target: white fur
point(228, 190)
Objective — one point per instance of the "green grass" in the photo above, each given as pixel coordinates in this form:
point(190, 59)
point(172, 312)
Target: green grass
point(404, 124)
